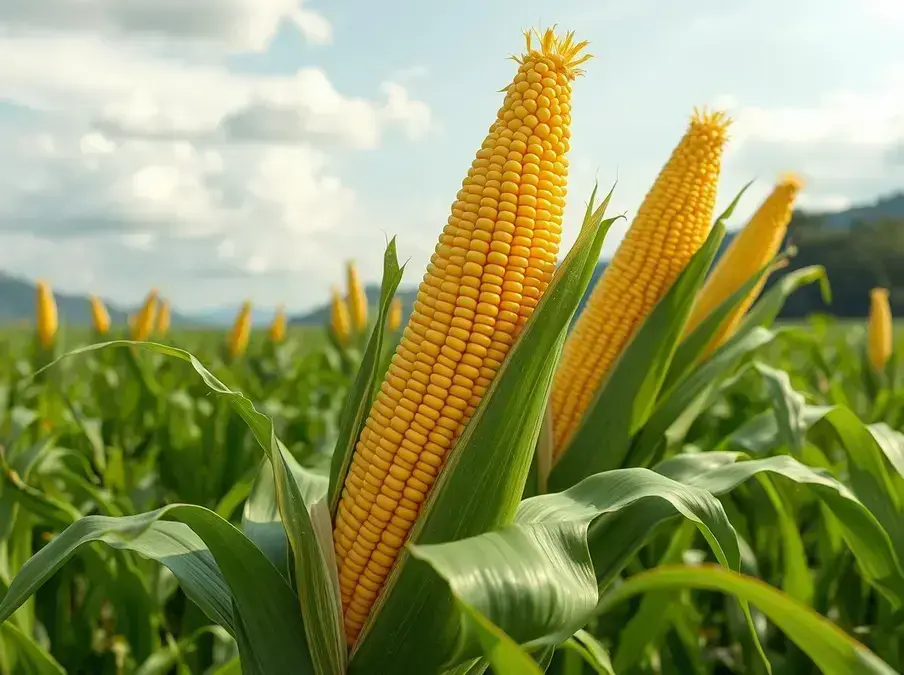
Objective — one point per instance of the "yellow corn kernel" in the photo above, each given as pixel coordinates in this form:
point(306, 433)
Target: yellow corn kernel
point(340, 321)
point(878, 330)
point(395, 315)
point(46, 318)
point(100, 318)
point(278, 327)
point(164, 318)
point(671, 225)
point(357, 299)
point(494, 259)
point(752, 248)
point(142, 324)
point(240, 333)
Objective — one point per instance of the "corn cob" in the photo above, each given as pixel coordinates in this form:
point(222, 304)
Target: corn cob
point(879, 331)
point(46, 318)
point(395, 315)
point(163, 318)
point(142, 323)
point(240, 333)
point(494, 259)
point(100, 318)
point(278, 327)
point(357, 299)
point(671, 225)
point(752, 248)
point(340, 322)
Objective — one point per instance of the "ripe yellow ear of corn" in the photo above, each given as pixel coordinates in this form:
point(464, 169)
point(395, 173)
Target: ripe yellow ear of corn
point(879, 329)
point(395, 315)
point(278, 327)
point(46, 318)
point(494, 259)
point(340, 322)
point(240, 333)
point(752, 249)
point(163, 318)
point(357, 299)
point(100, 318)
point(142, 324)
point(671, 225)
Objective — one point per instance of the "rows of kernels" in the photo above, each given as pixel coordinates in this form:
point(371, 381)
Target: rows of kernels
point(670, 226)
point(879, 329)
point(46, 317)
point(753, 247)
point(494, 259)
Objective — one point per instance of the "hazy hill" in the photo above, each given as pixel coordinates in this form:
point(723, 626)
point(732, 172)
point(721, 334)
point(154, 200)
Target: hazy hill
point(17, 303)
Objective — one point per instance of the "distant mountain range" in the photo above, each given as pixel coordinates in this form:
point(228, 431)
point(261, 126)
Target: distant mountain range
point(17, 296)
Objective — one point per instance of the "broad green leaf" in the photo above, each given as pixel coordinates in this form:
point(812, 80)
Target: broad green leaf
point(366, 381)
point(262, 525)
point(720, 472)
point(697, 383)
point(651, 619)
point(833, 651)
point(788, 406)
point(626, 397)
point(504, 655)
point(413, 625)
point(696, 343)
point(304, 521)
point(215, 564)
point(31, 658)
point(535, 579)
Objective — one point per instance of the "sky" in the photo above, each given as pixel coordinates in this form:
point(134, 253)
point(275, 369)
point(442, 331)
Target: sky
point(227, 149)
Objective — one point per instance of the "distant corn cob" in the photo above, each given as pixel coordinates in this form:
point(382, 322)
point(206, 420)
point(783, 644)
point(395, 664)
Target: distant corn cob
point(46, 318)
point(395, 315)
point(100, 318)
point(493, 261)
point(340, 322)
point(879, 330)
point(163, 318)
point(240, 333)
point(143, 322)
point(671, 225)
point(357, 299)
point(278, 327)
point(752, 248)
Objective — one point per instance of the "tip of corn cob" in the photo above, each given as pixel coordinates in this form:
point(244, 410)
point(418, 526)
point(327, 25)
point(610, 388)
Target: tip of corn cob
point(791, 180)
point(879, 292)
point(715, 122)
point(562, 50)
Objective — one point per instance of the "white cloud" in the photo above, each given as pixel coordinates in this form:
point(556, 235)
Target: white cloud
point(843, 144)
point(153, 164)
point(229, 24)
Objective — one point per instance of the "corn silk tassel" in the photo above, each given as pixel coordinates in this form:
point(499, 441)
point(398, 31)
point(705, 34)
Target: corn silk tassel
point(240, 333)
point(752, 248)
point(494, 259)
point(277, 331)
point(340, 321)
point(357, 299)
point(46, 317)
point(879, 329)
point(164, 318)
point(142, 323)
point(670, 227)
point(100, 317)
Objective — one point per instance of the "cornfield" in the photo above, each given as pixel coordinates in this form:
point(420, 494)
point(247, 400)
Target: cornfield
point(668, 482)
